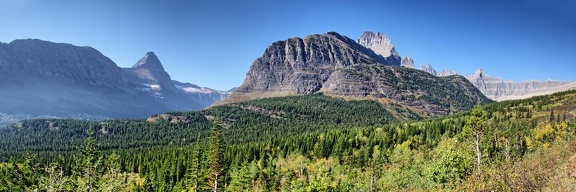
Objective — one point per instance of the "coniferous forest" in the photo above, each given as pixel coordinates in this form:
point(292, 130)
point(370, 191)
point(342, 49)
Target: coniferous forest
point(301, 143)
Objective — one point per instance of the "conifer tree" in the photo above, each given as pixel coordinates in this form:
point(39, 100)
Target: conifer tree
point(90, 163)
point(193, 173)
point(215, 157)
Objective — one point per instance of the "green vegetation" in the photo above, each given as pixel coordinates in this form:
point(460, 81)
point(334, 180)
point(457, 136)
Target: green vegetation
point(259, 146)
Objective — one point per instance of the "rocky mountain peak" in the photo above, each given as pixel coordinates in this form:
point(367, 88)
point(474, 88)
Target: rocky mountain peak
point(378, 42)
point(407, 62)
point(428, 68)
point(381, 45)
point(302, 65)
point(150, 61)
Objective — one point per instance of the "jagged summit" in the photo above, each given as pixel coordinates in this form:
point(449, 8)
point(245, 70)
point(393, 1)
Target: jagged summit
point(380, 44)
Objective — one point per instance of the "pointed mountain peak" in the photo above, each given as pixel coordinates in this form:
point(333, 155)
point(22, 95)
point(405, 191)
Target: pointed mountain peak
point(150, 61)
point(428, 68)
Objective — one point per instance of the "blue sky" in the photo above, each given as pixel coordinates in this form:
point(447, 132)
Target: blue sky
point(213, 43)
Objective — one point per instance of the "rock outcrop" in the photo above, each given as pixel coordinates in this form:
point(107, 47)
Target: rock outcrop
point(499, 89)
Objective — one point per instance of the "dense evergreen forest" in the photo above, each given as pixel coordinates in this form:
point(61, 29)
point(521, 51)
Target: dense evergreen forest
point(305, 143)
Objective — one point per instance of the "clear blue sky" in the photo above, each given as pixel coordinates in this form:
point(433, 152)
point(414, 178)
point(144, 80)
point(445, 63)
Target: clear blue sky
point(213, 42)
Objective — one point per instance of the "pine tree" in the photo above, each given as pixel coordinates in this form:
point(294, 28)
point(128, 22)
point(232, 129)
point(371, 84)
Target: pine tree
point(90, 163)
point(215, 157)
point(193, 173)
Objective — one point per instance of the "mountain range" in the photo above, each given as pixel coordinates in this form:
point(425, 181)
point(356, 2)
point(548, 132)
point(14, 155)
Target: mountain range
point(44, 79)
point(499, 89)
point(57, 80)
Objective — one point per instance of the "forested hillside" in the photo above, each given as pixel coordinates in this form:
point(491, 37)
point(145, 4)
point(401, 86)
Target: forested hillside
point(302, 144)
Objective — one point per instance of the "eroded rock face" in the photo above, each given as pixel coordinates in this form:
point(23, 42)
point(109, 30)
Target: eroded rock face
point(499, 89)
point(302, 65)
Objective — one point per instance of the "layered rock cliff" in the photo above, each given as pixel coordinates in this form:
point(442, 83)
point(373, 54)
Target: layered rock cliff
point(302, 65)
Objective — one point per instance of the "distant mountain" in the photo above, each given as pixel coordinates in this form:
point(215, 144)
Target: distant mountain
point(428, 68)
point(338, 66)
point(44, 79)
point(499, 89)
point(407, 62)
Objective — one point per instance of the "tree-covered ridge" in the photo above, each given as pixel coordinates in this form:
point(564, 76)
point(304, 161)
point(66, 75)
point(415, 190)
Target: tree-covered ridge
point(424, 93)
point(255, 120)
point(520, 150)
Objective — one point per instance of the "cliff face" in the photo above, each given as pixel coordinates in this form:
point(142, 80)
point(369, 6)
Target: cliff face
point(499, 89)
point(302, 65)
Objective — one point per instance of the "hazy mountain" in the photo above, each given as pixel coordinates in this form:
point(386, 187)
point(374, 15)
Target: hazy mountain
point(338, 66)
point(44, 79)
point(499, 89)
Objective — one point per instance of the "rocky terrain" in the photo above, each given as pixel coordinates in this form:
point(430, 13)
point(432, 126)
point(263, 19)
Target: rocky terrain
point(339, 66)
point(44, 79)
